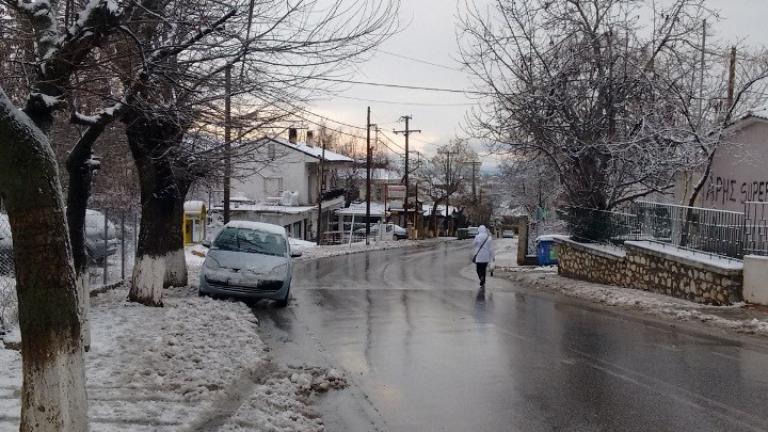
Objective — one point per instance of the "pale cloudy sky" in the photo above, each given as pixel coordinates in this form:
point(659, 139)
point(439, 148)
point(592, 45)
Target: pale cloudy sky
point(429, 34)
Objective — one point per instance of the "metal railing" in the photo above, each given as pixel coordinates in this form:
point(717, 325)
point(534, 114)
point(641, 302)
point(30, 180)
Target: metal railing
point(718, 232)
point(755, 228)
point(601, 225)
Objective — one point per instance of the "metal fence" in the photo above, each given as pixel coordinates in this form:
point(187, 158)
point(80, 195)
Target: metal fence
point(755, 228)
point(718, 232)
point(601, 225)
point(110, 238)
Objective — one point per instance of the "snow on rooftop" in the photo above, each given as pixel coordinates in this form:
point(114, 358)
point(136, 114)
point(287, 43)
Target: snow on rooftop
point(194, 206)
point(359, 209)
point(266, 208)
point(314, 151)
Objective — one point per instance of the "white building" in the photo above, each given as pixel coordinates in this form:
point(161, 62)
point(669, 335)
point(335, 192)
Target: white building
point(284, 190)
point(292, 166)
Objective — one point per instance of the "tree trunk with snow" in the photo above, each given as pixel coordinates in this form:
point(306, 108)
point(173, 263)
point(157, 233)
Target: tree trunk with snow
point(151, 139)
point(53, 392)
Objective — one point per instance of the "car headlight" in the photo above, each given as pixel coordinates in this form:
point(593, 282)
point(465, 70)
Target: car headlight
point(279, 270)
point(211, 263)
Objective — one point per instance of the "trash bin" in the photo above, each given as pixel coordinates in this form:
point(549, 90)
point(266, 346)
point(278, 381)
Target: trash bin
point(462, 233)
point(546, 251)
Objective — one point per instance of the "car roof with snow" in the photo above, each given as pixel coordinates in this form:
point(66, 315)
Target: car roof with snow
point(259, 226)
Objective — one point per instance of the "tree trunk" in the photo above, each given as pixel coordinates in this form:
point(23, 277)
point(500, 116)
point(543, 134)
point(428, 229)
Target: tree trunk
point(434, 219)
point(151, 139)
point(80, 168)
point(176, 264)
point(53, 396)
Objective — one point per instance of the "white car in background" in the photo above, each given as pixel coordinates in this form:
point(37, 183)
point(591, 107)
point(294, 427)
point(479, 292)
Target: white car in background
point(395, 231)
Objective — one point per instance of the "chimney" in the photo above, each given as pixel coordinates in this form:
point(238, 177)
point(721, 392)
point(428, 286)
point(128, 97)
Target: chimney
point(293, 133)
point(310, 138)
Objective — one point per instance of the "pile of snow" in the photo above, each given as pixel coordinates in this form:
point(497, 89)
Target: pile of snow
point(288, 392)
point(301, 245)
point(193, 363)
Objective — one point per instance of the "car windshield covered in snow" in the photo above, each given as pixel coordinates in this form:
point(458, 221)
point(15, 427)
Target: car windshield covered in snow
point(251, 241)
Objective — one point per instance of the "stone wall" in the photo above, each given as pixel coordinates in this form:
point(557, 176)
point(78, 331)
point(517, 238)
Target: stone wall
point(645, 266)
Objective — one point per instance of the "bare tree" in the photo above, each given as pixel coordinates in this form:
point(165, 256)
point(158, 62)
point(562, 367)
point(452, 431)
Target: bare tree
point(274, 51)
point(446, 174)
point(584, 86)
point(50, 305)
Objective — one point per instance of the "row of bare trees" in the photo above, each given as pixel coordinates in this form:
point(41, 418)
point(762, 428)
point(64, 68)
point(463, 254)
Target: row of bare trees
point(163, 69)
point(618, 98)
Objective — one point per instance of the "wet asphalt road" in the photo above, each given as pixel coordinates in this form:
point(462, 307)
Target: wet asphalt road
point(426, 351)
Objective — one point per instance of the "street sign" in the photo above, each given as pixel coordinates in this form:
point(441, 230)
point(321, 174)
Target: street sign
point(395, 192)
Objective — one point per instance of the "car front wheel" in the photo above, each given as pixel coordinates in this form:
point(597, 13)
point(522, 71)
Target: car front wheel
point(284, 301)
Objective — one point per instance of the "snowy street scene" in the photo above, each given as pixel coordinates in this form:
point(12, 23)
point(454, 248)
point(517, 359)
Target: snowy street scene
point(383, 215)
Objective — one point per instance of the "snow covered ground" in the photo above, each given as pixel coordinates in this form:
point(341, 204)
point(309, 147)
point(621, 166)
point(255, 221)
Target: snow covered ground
point(189, 366)
point(737, 317)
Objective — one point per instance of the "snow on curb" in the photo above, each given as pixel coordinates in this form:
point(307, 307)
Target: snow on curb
point(647, 302)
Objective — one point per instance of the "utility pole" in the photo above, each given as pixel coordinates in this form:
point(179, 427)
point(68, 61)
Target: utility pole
point(416, 204)
point(731, 79)
point(447, 188)
point(320, 187)
point(406, 132)
point(368, 178)
point(701, 83)
point(227, 139)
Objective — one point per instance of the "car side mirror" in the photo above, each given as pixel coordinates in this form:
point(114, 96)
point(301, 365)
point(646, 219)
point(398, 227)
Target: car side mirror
point(206, 243)
point(295, 254)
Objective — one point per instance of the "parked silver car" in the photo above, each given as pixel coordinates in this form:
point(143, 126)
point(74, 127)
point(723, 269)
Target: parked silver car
point(250, 260)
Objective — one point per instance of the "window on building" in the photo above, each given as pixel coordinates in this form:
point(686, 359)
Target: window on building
point(272, 151)
point(273, 186)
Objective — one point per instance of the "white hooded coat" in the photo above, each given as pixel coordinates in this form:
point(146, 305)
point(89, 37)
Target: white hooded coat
point(484, 250)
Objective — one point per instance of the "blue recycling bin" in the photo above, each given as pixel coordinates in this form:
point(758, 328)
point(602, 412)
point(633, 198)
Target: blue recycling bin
point(546, 251)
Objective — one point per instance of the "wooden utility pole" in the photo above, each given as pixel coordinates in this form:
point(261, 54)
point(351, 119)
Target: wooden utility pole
point(320, 188)
point(447, 188)
point(368, 178)
point(227, 139)
point(406, 132)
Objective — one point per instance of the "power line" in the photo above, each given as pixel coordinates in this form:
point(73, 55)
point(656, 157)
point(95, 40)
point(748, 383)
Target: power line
point(406, 87)
point(417, 60)
point(391, 102)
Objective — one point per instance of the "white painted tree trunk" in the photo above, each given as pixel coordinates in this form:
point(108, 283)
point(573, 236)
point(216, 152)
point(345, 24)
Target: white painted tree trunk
point(54, 393)
point(175, 269)
point(147, 280)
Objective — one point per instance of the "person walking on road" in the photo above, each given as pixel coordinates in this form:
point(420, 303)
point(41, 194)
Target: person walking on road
point(483, 253)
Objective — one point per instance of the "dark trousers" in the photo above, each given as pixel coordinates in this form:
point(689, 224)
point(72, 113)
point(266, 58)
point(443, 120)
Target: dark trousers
point(481, 269)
